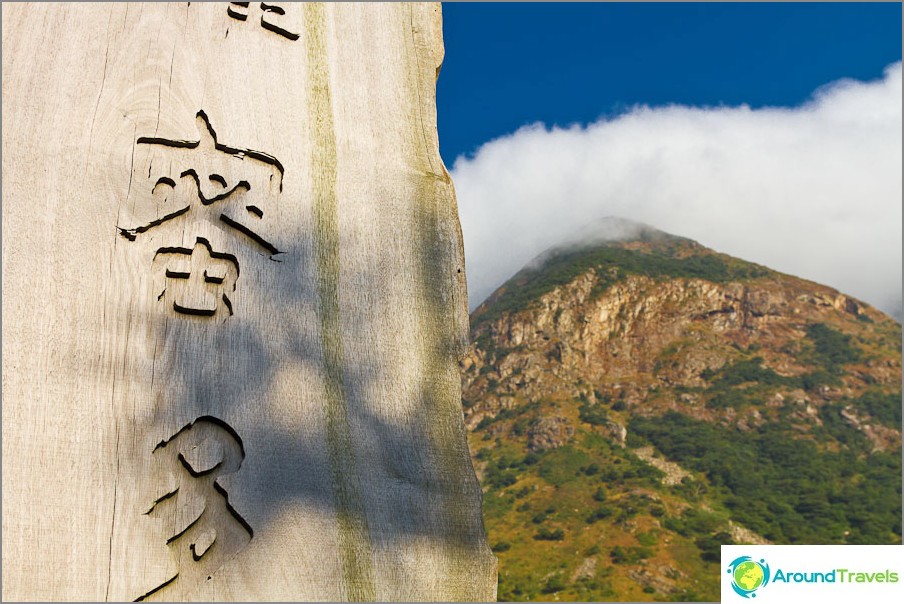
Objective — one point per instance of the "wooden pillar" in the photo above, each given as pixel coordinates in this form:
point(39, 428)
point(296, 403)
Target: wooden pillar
point(233, 303)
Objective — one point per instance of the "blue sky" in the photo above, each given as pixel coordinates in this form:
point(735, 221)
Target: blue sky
point(510, 64)
point(771, 132)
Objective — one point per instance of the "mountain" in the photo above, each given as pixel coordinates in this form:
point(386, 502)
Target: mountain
point(635, 400)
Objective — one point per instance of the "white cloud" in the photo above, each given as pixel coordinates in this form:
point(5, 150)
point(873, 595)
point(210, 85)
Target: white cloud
point(813, 191)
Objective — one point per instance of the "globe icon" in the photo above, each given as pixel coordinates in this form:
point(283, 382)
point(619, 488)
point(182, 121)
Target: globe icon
point(748, 575)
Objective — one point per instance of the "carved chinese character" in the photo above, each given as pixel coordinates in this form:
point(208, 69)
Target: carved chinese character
point(204, 531)
point(193, 182)
point(206, 180)
point(273, 17)
point(199, 280)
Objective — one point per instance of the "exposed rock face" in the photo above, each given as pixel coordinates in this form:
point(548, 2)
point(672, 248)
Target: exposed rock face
point(618, 433)
point(672, 473)
point(233, 306)
point(549, 433)
point(633, 403)
point(646, 341)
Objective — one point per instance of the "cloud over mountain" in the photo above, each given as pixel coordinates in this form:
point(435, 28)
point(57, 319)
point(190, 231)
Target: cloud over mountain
point(813, 190)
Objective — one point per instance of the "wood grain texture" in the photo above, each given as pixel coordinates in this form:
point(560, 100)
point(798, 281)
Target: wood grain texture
point(233, 304)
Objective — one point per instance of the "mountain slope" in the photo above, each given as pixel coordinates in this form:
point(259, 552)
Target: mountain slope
point(639, 399)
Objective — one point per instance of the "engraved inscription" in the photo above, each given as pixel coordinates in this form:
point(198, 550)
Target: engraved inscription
point(198, 280)
point(204, 181)
point(203, 530)
point(273, 17)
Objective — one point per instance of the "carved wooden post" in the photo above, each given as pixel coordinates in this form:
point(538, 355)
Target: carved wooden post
point(233, 300)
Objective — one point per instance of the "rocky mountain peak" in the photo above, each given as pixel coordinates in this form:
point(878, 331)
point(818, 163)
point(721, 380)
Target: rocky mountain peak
point(642, 348)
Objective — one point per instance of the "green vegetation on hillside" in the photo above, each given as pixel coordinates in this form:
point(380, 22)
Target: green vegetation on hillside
point(831, 349)
point(781, 409)
point(884, 407)
point(748, 381)
point(786, 488)
point(542, 507)
point(595, 415)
